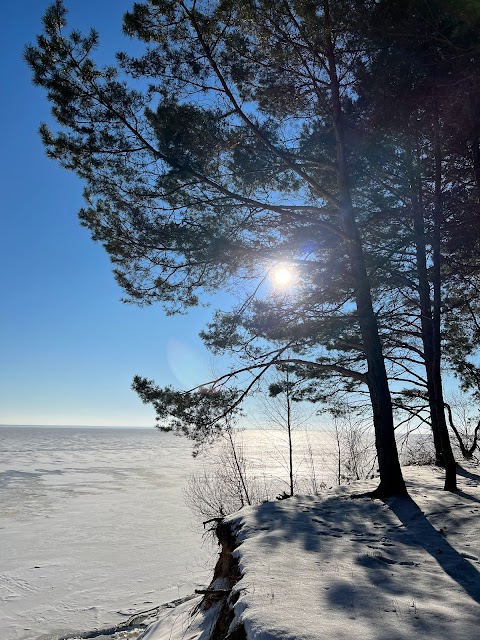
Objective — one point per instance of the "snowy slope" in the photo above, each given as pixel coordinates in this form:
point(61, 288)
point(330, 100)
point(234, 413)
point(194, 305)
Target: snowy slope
point(338, 567)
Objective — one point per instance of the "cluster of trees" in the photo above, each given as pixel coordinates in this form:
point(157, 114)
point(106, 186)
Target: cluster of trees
point(340, 137)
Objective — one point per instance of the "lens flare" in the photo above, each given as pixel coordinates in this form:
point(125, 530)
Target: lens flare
point(282, 276)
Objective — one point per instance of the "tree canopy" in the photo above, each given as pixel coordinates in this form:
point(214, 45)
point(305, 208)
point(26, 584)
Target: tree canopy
point(252, 134)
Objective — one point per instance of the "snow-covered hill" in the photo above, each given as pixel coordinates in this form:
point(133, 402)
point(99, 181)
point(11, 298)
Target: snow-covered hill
point(341, 567)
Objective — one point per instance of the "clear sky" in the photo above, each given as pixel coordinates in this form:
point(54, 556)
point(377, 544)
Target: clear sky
point(68, 347)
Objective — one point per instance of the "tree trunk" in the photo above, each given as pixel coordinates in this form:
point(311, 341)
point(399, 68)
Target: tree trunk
point(426, 318)
point(289, 431)
point(476, 163)
point(430, 322)
point(391, 479)
point(448, 457)
point(475, 146)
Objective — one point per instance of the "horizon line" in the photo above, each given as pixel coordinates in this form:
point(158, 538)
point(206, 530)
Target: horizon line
point(82, 426)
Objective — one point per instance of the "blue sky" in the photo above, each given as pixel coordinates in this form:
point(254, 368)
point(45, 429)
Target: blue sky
point(68, 347)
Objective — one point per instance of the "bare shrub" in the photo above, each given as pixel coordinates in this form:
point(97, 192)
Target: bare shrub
point(312, 483)
point(418, 449)
point(464, 420)
point(226, 483)
point(355, 452)
point(281, 410)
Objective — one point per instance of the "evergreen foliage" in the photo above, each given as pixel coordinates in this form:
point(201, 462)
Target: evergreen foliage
point(340, 138)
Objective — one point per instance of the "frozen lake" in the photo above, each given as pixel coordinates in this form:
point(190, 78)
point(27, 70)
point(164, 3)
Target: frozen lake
point(93, 526)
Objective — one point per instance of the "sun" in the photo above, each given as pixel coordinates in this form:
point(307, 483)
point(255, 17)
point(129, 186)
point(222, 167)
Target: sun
point(282, 276)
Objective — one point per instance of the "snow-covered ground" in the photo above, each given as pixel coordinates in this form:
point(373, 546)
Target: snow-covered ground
point(345, 568)
point(94, 529)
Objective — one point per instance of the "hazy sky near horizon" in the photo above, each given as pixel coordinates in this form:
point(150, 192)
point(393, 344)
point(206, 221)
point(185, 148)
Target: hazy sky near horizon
point(68, 347)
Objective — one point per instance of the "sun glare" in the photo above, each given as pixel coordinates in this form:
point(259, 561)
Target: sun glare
point(282, 276)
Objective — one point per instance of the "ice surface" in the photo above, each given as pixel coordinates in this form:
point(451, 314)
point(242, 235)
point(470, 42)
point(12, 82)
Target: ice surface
point(93, 527)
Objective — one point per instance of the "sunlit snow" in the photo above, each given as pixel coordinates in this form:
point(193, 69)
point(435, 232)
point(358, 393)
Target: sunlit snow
point(94, 533)
point(343, 568)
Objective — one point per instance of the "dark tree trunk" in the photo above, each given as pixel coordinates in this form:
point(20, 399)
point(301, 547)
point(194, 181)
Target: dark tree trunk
point(476, 163)
point(391, 479)
point(430, 321)
point(467, 452)
point(475, 146)
point(448, 457)
point(426, 319)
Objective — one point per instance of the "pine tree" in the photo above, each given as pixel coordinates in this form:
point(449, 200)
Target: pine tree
point(420, 88)
point(236, 156)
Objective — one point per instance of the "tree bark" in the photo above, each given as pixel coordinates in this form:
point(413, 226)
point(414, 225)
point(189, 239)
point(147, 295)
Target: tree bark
point(448, 457)
point(475, 146)
point(426, 318)
point(476, 163)
point(391, 479)
point(431, 320)
point(467, 452)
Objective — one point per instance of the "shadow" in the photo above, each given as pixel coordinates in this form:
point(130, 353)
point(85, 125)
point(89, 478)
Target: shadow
point(462, 494)
point(286, 525)
point(365, 563)
point(467, 474)
point(424, 534)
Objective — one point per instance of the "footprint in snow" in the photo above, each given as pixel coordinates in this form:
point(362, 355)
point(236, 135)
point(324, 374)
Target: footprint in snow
point(370, 560)
point(366, 540)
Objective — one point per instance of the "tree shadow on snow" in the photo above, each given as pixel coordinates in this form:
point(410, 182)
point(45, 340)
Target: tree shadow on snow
point(423, 533)
point(464, 494)
point(467, 474)
point(284, 525)
point(337, 530)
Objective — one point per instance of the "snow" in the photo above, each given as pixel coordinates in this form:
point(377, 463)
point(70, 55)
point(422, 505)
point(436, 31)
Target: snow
point(342, 567)
point(93, 528)
point(187, 621)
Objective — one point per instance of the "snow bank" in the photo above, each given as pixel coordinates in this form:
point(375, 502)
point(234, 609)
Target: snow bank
point(339, 567)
